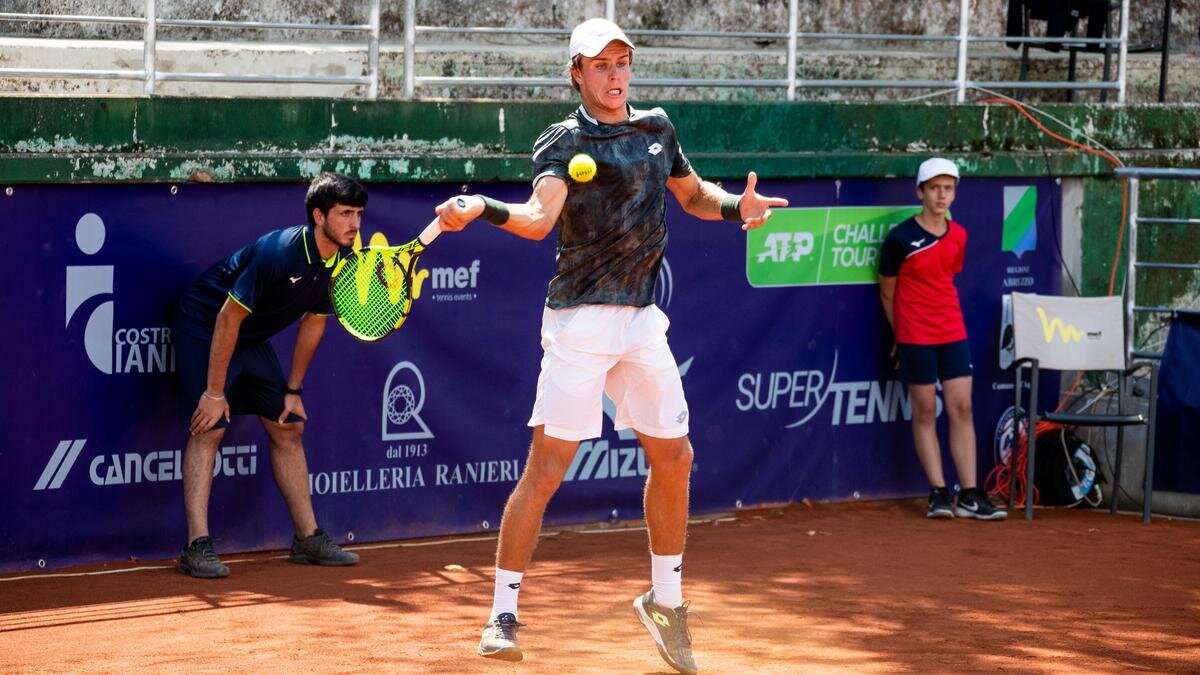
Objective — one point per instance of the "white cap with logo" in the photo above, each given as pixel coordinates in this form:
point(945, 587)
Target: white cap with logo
point(932, 168)
point(592, 36)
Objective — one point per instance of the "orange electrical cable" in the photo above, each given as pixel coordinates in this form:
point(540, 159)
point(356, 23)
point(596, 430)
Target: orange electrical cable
point(1003, 482)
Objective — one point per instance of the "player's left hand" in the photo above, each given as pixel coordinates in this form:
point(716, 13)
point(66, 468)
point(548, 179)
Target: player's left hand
point(755, 208)
point(292, 404)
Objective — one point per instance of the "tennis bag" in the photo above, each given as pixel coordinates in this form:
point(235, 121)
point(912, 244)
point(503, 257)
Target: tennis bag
point(1065, 469)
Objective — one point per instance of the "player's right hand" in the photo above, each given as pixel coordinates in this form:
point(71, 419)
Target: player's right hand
point(207, 413)
point(457, 212)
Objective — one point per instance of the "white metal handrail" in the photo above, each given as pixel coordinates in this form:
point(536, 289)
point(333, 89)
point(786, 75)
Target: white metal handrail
point(1134, 175)
point(960, 84)
point(150, 74)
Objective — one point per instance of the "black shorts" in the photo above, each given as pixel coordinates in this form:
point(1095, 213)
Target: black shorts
point(926, 364)
point(254, 383)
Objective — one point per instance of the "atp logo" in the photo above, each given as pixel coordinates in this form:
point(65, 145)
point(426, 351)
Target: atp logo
point(403, 399)
point(1067, 332)
point(90, 291)
point(820, 246)
point(786, 247)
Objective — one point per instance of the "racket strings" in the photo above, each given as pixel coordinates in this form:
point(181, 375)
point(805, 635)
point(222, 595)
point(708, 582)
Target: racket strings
point(392, 272)
point(371, 294)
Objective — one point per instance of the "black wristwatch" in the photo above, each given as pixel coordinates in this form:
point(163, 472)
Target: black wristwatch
point(294, 392)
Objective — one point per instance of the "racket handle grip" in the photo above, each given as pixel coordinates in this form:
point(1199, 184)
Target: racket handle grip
point(431, 231)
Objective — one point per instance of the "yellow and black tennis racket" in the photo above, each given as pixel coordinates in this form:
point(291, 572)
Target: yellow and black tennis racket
point(371, 290)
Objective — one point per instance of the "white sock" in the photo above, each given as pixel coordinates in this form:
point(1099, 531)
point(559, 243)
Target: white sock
point(666, 572)
point(504, 598)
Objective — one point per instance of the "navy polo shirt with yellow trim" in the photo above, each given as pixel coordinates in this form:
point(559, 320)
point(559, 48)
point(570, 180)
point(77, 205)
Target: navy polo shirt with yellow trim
point(278, 279)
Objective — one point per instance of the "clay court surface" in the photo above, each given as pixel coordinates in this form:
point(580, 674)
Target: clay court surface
point(861, 587)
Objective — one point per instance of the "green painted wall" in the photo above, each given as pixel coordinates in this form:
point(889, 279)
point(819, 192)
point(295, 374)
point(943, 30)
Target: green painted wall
point(71, 140)
point(169, 139)
point(1159, 242)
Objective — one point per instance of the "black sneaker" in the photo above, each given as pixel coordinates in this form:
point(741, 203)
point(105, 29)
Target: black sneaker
point(974, 503)
point(319, 549)
point(499, 640)
point(200, 560)
point(939, 504)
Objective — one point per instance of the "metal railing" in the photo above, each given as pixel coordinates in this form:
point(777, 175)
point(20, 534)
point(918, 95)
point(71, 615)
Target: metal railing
point(1134, 175)
point(151, 76)
point(959, 85)
point(791, 83)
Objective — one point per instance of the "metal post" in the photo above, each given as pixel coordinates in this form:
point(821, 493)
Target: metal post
point(1031, 438)
point(1130, 272)
point(410, 46)
point(793, 24)
point(1074, 56)
point(1151, 414)
point(373, 51)
point(1123, 53)
point(1120, 443)
point(1016, 435)
point(610, 10)
point(1166, 52)
point(1107, 54)
point(149, 45)
point(964, 15)
point(1024, 71)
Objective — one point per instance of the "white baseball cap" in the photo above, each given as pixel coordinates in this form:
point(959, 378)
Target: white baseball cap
point(592, 36)
point(932, 168)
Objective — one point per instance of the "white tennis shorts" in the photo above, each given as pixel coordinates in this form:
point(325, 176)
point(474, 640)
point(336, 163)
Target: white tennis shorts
point(621, 351)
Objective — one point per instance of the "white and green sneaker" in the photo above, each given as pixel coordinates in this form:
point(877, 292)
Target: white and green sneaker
point(669, 629)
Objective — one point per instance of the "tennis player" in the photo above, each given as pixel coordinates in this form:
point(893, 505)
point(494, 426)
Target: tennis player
point(601, 332)
point(226, 364)
point(917, 265)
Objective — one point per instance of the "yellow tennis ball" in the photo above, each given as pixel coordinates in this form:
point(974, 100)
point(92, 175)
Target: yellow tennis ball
point(582, 168)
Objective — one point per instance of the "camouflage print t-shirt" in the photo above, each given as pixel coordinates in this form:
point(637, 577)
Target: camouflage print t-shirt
point(612, 231)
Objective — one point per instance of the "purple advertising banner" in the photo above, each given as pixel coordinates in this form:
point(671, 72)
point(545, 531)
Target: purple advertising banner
point(779, 336)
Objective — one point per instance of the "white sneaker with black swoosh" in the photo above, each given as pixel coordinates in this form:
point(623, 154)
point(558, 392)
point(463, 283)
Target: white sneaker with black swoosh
point(974, 503)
